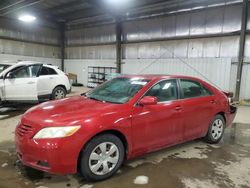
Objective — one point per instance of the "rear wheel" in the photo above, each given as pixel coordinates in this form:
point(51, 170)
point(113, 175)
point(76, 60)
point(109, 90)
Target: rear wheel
point(216, 130)
point(58, 93)
point(101, 157)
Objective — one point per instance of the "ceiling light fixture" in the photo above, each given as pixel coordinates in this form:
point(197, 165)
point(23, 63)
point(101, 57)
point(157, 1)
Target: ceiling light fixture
point(118, 2)
point(27, 18)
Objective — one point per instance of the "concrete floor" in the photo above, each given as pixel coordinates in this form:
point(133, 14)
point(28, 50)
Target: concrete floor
point(193, 164)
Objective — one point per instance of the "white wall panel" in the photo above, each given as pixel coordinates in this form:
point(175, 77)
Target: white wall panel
point(245, 86)
point(217, 70)
point(195, 48)
point(233, 76)
point(28, 49)
point(7, 58)
point(247, 46)
point(229, 46)
point(80, 67)
point(211, 47)
point(91, 52)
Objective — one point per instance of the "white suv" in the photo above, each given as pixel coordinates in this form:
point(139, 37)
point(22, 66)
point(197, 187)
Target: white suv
point(32, 82)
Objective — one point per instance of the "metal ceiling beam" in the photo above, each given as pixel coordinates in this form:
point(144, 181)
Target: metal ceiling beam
point(66, 5)
point(82, 14)
point(19, 6)
point(15, 7)
point(242, 48)
point(10, 5)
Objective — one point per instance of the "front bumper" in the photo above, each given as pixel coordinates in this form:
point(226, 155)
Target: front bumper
point(50, 155)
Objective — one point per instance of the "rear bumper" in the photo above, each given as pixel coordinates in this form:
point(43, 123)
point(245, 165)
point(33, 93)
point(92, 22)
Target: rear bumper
point(231, 115)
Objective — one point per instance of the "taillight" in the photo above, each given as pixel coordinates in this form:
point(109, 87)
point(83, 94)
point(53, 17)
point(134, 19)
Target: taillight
point(229, 96)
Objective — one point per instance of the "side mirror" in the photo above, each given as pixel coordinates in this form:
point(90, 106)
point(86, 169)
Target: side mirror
point(148, 100)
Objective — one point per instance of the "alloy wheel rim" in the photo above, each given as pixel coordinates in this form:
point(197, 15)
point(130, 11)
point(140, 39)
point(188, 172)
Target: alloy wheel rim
point(104, 158)
point(59, 94)
point(217, 129)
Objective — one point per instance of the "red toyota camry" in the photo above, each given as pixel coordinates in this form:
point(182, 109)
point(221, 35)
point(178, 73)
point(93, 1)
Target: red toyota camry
point(123, 118)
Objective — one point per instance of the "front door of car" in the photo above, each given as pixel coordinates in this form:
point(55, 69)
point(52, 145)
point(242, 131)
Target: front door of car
point(21, 84)
point(158, 125)
point(197, 108)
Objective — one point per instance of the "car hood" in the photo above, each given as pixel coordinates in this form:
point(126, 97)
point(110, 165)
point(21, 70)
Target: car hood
point(68, 111)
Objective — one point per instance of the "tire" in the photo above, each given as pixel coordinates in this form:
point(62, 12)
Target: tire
point(58, 93)
point(95, 162)
point(215, 130)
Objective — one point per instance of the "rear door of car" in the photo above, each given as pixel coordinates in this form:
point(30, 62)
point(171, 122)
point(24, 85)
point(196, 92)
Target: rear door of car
point(198, 104)
point(155, 126)
point(46, 80)
point(20, 84)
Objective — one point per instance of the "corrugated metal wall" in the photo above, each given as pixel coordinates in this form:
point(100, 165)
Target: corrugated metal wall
point(188, 37)
point(28, 40)
point(206, 67)
point(203, 22)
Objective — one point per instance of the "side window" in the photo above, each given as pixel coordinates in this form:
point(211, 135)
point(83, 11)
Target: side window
point(26, 71)
point(193, 89)
point(47, 71)
point(164, 91)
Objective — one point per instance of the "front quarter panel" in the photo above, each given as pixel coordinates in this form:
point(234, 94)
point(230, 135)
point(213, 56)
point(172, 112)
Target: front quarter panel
point(117, 120)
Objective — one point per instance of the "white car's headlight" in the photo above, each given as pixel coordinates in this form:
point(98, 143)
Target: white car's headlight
point(56, 132)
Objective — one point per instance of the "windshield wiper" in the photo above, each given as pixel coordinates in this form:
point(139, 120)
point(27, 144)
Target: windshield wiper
point(93, 98)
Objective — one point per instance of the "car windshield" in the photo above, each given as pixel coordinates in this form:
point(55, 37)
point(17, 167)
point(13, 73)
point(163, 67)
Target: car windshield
point(117, 90)
point(3, 67)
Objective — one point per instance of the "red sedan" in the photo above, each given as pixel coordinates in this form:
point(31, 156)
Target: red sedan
point(123, 118)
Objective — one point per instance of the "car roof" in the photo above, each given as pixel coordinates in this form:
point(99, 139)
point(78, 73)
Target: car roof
point(35, 62)
point(157, 76)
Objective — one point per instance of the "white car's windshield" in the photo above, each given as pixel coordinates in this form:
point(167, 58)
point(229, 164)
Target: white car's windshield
point(118, 90)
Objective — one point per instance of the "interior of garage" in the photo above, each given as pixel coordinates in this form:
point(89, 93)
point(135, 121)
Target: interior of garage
point(206, 39)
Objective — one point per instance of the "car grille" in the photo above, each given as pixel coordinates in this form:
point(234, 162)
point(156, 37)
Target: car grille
point(24, 129)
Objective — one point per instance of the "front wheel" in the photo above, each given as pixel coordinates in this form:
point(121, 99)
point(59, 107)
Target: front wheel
point(101, 157)
point(58, 93)
point(216, 130)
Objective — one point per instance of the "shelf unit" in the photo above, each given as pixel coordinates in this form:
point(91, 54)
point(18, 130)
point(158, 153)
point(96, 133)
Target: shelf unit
point(98, 75)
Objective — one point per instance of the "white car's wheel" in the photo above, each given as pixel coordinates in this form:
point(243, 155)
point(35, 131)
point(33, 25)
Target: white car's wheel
point(58, 93)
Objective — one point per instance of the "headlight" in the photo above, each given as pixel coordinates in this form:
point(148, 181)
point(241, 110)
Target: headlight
point(56, 132)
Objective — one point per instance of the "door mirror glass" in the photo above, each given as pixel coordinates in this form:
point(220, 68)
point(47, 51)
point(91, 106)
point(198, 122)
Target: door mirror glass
point(148, 100)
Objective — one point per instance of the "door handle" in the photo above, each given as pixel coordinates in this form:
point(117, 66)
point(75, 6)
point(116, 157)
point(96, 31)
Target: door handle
point(31, 82)
point(51, 78)
point(178, 108)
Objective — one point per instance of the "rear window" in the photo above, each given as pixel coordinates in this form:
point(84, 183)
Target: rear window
point(191, 89)
point(47, 71)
